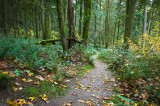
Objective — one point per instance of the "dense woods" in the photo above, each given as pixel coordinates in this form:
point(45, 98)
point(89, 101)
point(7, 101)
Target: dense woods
point(51, 35)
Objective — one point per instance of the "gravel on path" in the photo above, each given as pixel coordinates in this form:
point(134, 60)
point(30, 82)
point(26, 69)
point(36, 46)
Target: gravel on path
point(90, 90)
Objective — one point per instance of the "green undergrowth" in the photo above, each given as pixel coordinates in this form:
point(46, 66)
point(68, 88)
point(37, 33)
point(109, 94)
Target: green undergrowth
point(85, 69)
point(137, 73)
point(46, 60)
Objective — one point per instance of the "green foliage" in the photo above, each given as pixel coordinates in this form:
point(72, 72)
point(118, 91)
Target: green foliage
point(84, 69)
point(17, 72)
point(32, 92)
point(134, 69)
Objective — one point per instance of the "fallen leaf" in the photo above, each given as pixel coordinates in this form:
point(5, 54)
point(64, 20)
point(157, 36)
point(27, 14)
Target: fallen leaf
point(32, 98)
point(98, 89)
point(81, 101)
point(98, 97)
point(40, 77)
point(36, 83)
point(93, 80)
point(20, 88)
point(15, 89)
point(44, 97)
point(106, 98)
point(74, 94)
point(106, 86)
point(30, 74)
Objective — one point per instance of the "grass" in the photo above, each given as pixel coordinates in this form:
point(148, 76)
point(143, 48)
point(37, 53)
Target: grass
point(85, 69)
point(32, 92)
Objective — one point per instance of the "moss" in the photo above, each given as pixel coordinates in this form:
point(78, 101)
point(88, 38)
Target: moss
point(84, 69)
point(32, 92)
point(87, 17)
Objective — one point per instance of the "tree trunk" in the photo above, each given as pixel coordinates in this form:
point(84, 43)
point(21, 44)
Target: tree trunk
point(145, 19)
point(95, 38)
point(47, 28)
point(71, 22)
point(86, 24)
point(144, 26)
point(4, 17)
point(61, 24)
point(36, 21)
point(42, 19)
point(100, 28)
point(80, 19)
point(130, 7)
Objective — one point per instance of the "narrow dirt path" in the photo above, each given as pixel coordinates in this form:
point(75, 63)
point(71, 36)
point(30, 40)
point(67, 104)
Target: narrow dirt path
point(89, 90)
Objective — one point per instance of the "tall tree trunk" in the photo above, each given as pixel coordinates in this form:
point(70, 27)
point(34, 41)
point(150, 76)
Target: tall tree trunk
point(144, 25)
point(71, 22)
point(100, 27)
point(86, 24)
point(130, 7)
point(61, 24)
point(42, 19)
point(145, 19)
point(151, 17)
point(4, 17)
point(14, 18)
point(95, 30)
point(36, 21)
point(47, 28)
point(75, 15)
point(119, 9)
point(80, 19)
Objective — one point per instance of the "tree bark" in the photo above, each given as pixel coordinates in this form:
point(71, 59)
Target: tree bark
point(71, 22)
point(61, 25)
point(4, 17)
point(36, 21)
point(130, 7)
point(80, 19)
point(87, 17)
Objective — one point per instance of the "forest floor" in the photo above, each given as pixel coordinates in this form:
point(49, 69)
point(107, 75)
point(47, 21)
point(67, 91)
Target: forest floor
point(91, 90)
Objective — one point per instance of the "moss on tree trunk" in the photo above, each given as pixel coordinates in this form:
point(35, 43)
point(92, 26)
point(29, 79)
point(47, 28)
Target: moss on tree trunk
point(61, 24)
point(87, 17)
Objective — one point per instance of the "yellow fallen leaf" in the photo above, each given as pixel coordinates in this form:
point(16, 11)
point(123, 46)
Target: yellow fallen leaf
point(24, 80)
point(106, 86)
point(113, 79)
point(81, 101)
point(105, 77)
point(88, 71)
point(15, 89)
point(5, 72)
point(30, 74)
point(9, 102)
point(44, 97)
point(32, 98)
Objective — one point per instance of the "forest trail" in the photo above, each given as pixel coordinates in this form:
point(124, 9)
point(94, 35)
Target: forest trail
point(88, 90)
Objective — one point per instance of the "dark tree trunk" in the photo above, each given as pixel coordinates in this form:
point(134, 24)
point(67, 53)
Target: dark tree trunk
point(130, 7)
point(71, 22)
point(61, 24)
point(4, 17)
point(36, 21)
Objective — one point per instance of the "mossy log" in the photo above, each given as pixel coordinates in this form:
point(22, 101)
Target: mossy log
point(53, 41)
